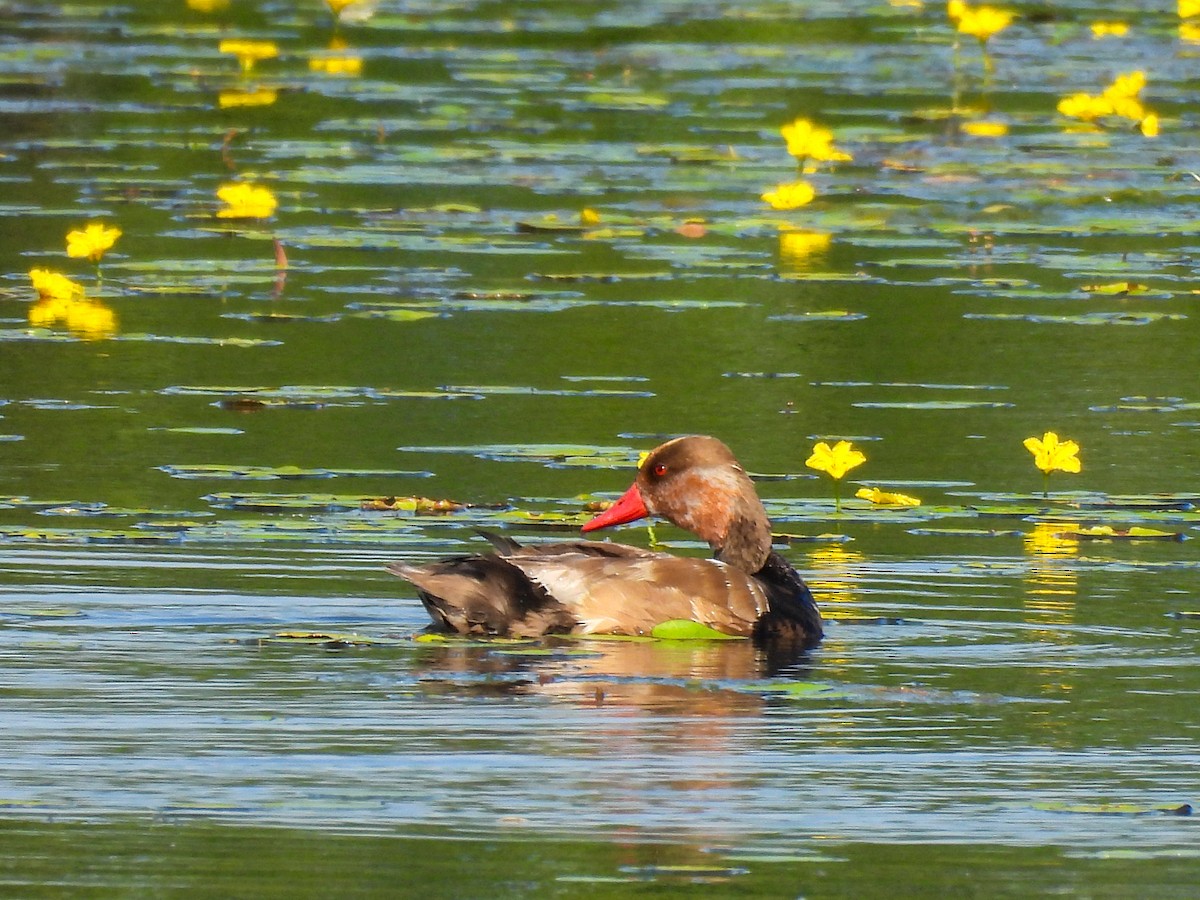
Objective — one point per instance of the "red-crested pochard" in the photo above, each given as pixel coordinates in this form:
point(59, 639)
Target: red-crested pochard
point(599, 587)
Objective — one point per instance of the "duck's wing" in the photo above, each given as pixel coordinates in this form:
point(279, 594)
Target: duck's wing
point(632, 594)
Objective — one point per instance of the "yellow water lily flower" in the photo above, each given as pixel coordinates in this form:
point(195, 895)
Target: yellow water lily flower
point(1189, 8)
point(886, 498)
point(1149, 125)
point(981, 21)
point(1129, 84)
point(955, 10)
point(1189, 32)
point(806, 141)
point(790, 196)
point(246, 201)
point(208, 6)
point(336, 6)
point(54, 286)
point(1109, 29)
point(249, 52)
point(1085, 106)
point(92, 242)
point(1051, 454)
point(835, 461)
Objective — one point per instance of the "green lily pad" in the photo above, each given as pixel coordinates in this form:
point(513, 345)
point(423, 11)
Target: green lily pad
point(687, 630)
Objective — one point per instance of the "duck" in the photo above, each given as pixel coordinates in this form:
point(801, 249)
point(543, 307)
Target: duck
point(744, 589)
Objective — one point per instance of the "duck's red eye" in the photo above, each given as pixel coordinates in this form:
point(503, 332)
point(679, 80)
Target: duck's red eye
point(660, 470)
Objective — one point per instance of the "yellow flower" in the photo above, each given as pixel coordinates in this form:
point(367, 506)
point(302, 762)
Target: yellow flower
point(1149, 125)
point(835, 461)
point(53, 286)
point(886, 498)
point(1085, 106)
point(249, 52)
point(985, 129)
point(790, 196)
point(207, 6)
point(92, 242)
point(806, 141)
point(336, 6)
point(589, 217)
point(1128, 85)
point(1189, 8)
point(983, 21)
point(256, 97)
point(246, 201)
point(1109, 29)
point(1189, 32)
point(1050, 454)
point(955, 9)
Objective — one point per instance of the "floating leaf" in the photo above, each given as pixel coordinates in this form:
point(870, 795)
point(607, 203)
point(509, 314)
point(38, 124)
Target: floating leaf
point(266, 473)
point(1108, 533)
point(1114, 809)
point(687, 630)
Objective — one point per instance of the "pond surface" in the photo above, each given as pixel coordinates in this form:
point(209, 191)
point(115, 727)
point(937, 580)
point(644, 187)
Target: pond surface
point(515, 245)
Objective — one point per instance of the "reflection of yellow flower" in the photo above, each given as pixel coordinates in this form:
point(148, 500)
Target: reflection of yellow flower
point(249, 52)
point(337, 61)
point(92, 241)
point(83, 318)
point(1050, 454)
point(981, 21)
point(256, 97)
point(835, 461)
point(806, 141)
point(985, 129)
point(790, 196)
point(797, 248)
point(246, 201)
point(54, 286)
point(1109, 29)
point(886, 498)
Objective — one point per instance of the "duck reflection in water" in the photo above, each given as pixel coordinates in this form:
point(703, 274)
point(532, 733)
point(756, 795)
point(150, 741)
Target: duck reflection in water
point(591, 587)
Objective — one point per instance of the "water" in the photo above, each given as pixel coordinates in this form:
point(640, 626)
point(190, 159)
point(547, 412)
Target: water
point(211, 684)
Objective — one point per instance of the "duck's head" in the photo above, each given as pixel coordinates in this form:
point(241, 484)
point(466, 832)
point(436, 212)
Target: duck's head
point(695, 482)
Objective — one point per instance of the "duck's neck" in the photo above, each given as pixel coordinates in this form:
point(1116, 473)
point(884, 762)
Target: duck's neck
point(746, 543)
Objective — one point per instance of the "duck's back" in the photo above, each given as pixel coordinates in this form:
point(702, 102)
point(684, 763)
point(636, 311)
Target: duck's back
point(587, 587)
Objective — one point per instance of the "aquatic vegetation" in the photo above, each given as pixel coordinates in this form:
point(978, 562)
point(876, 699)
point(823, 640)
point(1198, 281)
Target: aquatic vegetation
point(835, 462)
point(249, 53)
point(980, 22)
point(1052, 455)
point(1120, 99)
point(338, 59)
point(92, 242)
point(54, 285)
point(246, 201)
point(806, 141)
point(886, 498)
point(791, 195)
